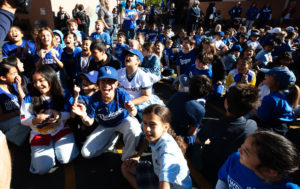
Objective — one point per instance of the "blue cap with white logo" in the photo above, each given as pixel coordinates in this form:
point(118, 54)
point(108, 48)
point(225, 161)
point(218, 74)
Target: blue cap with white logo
point(107, 72)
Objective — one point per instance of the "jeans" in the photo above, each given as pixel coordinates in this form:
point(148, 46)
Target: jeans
point(14, 131)
point(43, 157)
point(102, 138)
point(130, 34)
point(110, 33)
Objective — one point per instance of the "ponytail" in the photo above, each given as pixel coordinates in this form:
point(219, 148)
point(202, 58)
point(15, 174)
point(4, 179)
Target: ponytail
point(179, 140)
point(294, 95)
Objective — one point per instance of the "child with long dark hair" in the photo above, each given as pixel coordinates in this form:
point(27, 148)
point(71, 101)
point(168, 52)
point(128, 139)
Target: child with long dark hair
point(169, 167)
point(45, 113)
point(265, 160)
point(11, 94)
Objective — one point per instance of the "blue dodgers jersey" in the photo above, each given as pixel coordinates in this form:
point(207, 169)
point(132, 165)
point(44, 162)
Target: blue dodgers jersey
point(103, 36)
point(119, 52)
point(70, 63)
point(49, 59)
point(128, 24)
point(192, 71)
point(152, 35)
point(9, 101)
point(237, 176)
point(10, 49)
point(185, 60)
point(111, 114)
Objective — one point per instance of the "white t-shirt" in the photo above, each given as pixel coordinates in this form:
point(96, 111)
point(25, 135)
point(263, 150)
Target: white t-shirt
point(219, 44)
point(256, 45)
point(141, 81)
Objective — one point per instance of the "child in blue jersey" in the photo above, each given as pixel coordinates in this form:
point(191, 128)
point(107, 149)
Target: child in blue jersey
point(68, 57)
point(100, 34)
point(151, 63)
point(83, 59)
point(186, 57)
point(168, 168)
point(48, 51)
point(264, 57)
point(120, 47)
point(152, 33)
point(22, 49)
point(276, 110)
point(201, 67)
point(231, 58)
point(82, 94)
point(113, 109)
point(73, 27)
point(142, 28)
point(45, 110)
point(199, 36)
point(265, 160)
point(11, 94)
point(169, 51)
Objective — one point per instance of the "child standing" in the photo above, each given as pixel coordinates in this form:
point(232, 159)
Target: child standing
point(22, 49)
point(45, 112)
point(265, 160)
point(49, 52)
point(169, 167)
point(100, 34)
point(11, 94)
point(83, 59)
point(276, 110)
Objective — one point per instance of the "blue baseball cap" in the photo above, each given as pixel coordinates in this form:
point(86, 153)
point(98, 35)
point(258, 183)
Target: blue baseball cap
point(107, 72)
point(237, 48)
point(92, 76)
point(135, 52)
point(255, 34)
point(284, 76)
point(220, 34)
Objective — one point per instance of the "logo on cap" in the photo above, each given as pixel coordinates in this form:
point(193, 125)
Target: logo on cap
point(108, 71)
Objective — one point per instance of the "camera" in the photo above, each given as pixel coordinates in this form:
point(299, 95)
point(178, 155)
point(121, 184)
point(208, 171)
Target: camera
point(23, 6)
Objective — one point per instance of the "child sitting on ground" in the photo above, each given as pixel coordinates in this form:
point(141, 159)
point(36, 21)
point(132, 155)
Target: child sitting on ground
point(169, 167)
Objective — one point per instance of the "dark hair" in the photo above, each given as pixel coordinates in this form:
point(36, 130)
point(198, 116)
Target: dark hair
point(121, 34)
point(87, 39)
point(70, 33)
point(276, 152)
point(205, 58)
point(190, 40)
point(4, 68)
point(199, 86)
point(149, 47)
point(98, 44)
point(56, 91)
point(164, 114)
point(271, 43)
point(241, 99)
point(80, 7)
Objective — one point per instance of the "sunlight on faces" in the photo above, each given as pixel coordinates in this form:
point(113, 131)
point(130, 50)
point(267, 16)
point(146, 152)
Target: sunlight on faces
point(72, 27)
point(131, 60)
point(107, 87)
point(85, 46)
point(121, 39)
point(242, 66)
point(87, 86)
point(20, 65)
point(97, 55)
point(41, 84)
point(99, 27)
point(10, 77)
point(248, 156)
point(46, 38)
point(69, 41)
point(269, 80)
point(57, 38)
point(153, 127)
point(15, 34)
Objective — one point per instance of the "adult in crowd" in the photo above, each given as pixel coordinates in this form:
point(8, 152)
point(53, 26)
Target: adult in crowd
point(129, 16)
point(106, 16)
point(251, 15)
point(61, 18)
point(83, 20)
point(194, 16)
point(235, 12)
point(7, 11)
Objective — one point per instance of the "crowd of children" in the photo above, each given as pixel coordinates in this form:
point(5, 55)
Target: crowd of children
point(75, 93)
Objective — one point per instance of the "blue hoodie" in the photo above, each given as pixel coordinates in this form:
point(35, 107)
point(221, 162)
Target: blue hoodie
point(61, 35)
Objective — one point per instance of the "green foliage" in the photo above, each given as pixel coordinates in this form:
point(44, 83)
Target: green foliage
point(153, 2)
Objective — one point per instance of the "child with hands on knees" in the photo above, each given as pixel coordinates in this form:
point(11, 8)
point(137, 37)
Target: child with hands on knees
point(114, 111)
point(11, 95)
point(265, 160)
point(45, 110)
point(168, 168)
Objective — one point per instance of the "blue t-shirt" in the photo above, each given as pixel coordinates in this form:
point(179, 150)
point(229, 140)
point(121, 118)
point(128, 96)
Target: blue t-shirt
point(275, 106)
point(185, 60)
point(144, 31)
point(169, 53)
point(9, 101)
point(119, 53)
point(152, 35)
point(198, 39)
point(264, 57)
point(49, 59)
point(192, 71)
point(111, 114)
point(70, 63)
point(103, 36)
point(237, 176)
point(252, 13)
point(82, 65)
point(10, 49)
point(129, 24)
